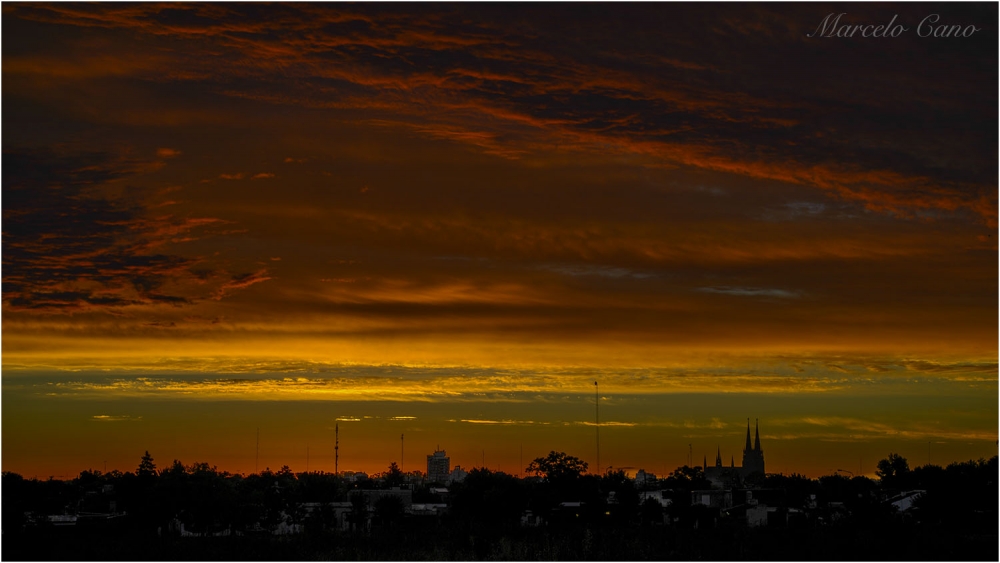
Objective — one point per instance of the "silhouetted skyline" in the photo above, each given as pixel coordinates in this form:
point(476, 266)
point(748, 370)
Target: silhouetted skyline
point(559, 512)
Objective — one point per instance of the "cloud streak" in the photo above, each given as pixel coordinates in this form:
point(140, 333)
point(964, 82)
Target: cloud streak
point(71, 245)
point(260, 380)
point(115, 418)
point(750, 292)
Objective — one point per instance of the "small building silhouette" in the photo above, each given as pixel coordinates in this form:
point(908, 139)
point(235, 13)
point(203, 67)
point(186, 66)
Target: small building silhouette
point(438, 467)
point(457, 475)
point(643, 478)
point(712, 498)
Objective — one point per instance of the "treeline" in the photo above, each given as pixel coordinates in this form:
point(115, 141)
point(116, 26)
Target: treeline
point(579, 515)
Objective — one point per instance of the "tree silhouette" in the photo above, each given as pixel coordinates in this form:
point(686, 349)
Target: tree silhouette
point(393, 477)
point(146, 465)
point(681, 482)
point(558, 466)
point(489, 498)
point(320, 487)
point(687, 478)
point(17, 501)
point(797, 488)
point(623, 498)
point(176, 470)
point(892, 471)
point(564, 482)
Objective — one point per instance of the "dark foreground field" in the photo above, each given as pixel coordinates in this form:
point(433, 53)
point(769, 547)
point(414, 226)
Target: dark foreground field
point(902, 542)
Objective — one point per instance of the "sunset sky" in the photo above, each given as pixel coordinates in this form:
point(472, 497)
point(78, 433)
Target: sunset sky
point(448, 220)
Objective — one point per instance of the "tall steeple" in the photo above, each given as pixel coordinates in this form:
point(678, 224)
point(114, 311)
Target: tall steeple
point(748, 446)
point(732, 462)
point(718, 457)
point(704, 462)
point(753, 455)
point(756, 431)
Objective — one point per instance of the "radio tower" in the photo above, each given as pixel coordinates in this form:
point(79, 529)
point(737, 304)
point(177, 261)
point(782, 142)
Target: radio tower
point(597, 425)
point(336, 449)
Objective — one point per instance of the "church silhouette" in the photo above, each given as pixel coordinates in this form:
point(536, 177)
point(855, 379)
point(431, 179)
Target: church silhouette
point(753, 462)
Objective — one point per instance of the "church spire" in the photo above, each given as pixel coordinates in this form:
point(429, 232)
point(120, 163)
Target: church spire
point(732, 462)
point(704, 462)
point(718, 456)
point(748, 447)
point(756, 431)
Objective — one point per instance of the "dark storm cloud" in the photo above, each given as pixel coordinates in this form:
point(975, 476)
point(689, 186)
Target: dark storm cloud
point(56, 233)
point(70, 246)
point(739, 89)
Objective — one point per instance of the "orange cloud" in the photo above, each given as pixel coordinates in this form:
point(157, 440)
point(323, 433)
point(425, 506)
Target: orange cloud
point(167, 153)
point(240, 282)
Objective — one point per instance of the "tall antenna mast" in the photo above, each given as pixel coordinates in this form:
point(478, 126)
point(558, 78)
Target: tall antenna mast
point(256, 458)
point(401, 452)
point(597, 415)
point(336, 449)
